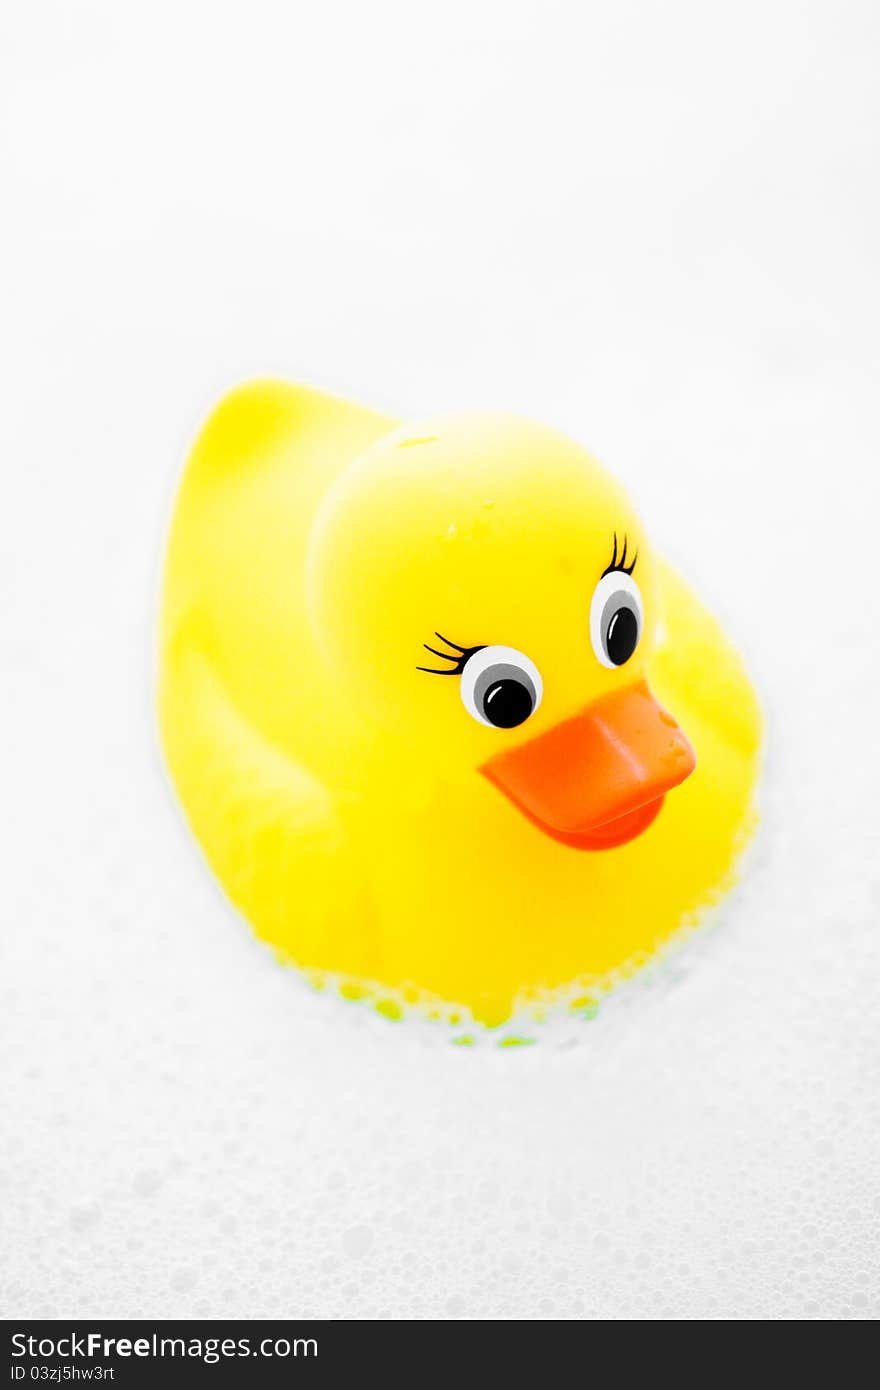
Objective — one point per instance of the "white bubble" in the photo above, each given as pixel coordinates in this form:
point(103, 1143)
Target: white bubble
point(357, 1241)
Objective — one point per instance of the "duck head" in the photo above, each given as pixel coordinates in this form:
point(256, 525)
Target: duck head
point(484, 589)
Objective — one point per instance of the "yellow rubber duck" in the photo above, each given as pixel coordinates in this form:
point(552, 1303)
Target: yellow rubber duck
point(414, 693)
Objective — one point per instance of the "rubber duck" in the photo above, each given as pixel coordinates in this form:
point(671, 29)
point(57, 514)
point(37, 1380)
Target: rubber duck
point(447, 729)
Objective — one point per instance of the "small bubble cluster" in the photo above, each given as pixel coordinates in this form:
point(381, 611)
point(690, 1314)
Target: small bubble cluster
point(197, 1133)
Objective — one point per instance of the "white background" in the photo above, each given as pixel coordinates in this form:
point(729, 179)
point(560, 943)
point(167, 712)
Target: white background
point(654, 225)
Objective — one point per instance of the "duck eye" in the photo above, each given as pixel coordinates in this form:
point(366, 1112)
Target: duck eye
point(500, 687)
point(616, 618)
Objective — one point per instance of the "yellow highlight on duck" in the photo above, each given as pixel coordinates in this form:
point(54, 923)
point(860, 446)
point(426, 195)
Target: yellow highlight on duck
point(442, 721)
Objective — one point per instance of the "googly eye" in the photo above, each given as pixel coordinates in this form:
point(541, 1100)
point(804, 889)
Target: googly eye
point(616, 618)
point(501, 687)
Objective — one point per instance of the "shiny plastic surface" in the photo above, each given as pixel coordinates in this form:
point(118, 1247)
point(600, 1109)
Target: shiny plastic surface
point(354, 812)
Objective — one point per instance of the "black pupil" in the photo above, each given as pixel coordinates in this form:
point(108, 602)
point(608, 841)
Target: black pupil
point(507, 703)
point(623, 634)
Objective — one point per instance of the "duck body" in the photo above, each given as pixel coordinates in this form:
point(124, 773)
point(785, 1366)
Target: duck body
point(480, 818)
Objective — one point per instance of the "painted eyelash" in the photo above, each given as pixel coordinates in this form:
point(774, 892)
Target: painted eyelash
point(460, 657)
point(620, 563)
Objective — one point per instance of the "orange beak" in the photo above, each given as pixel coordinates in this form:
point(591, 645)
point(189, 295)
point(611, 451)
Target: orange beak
point(598, 779)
